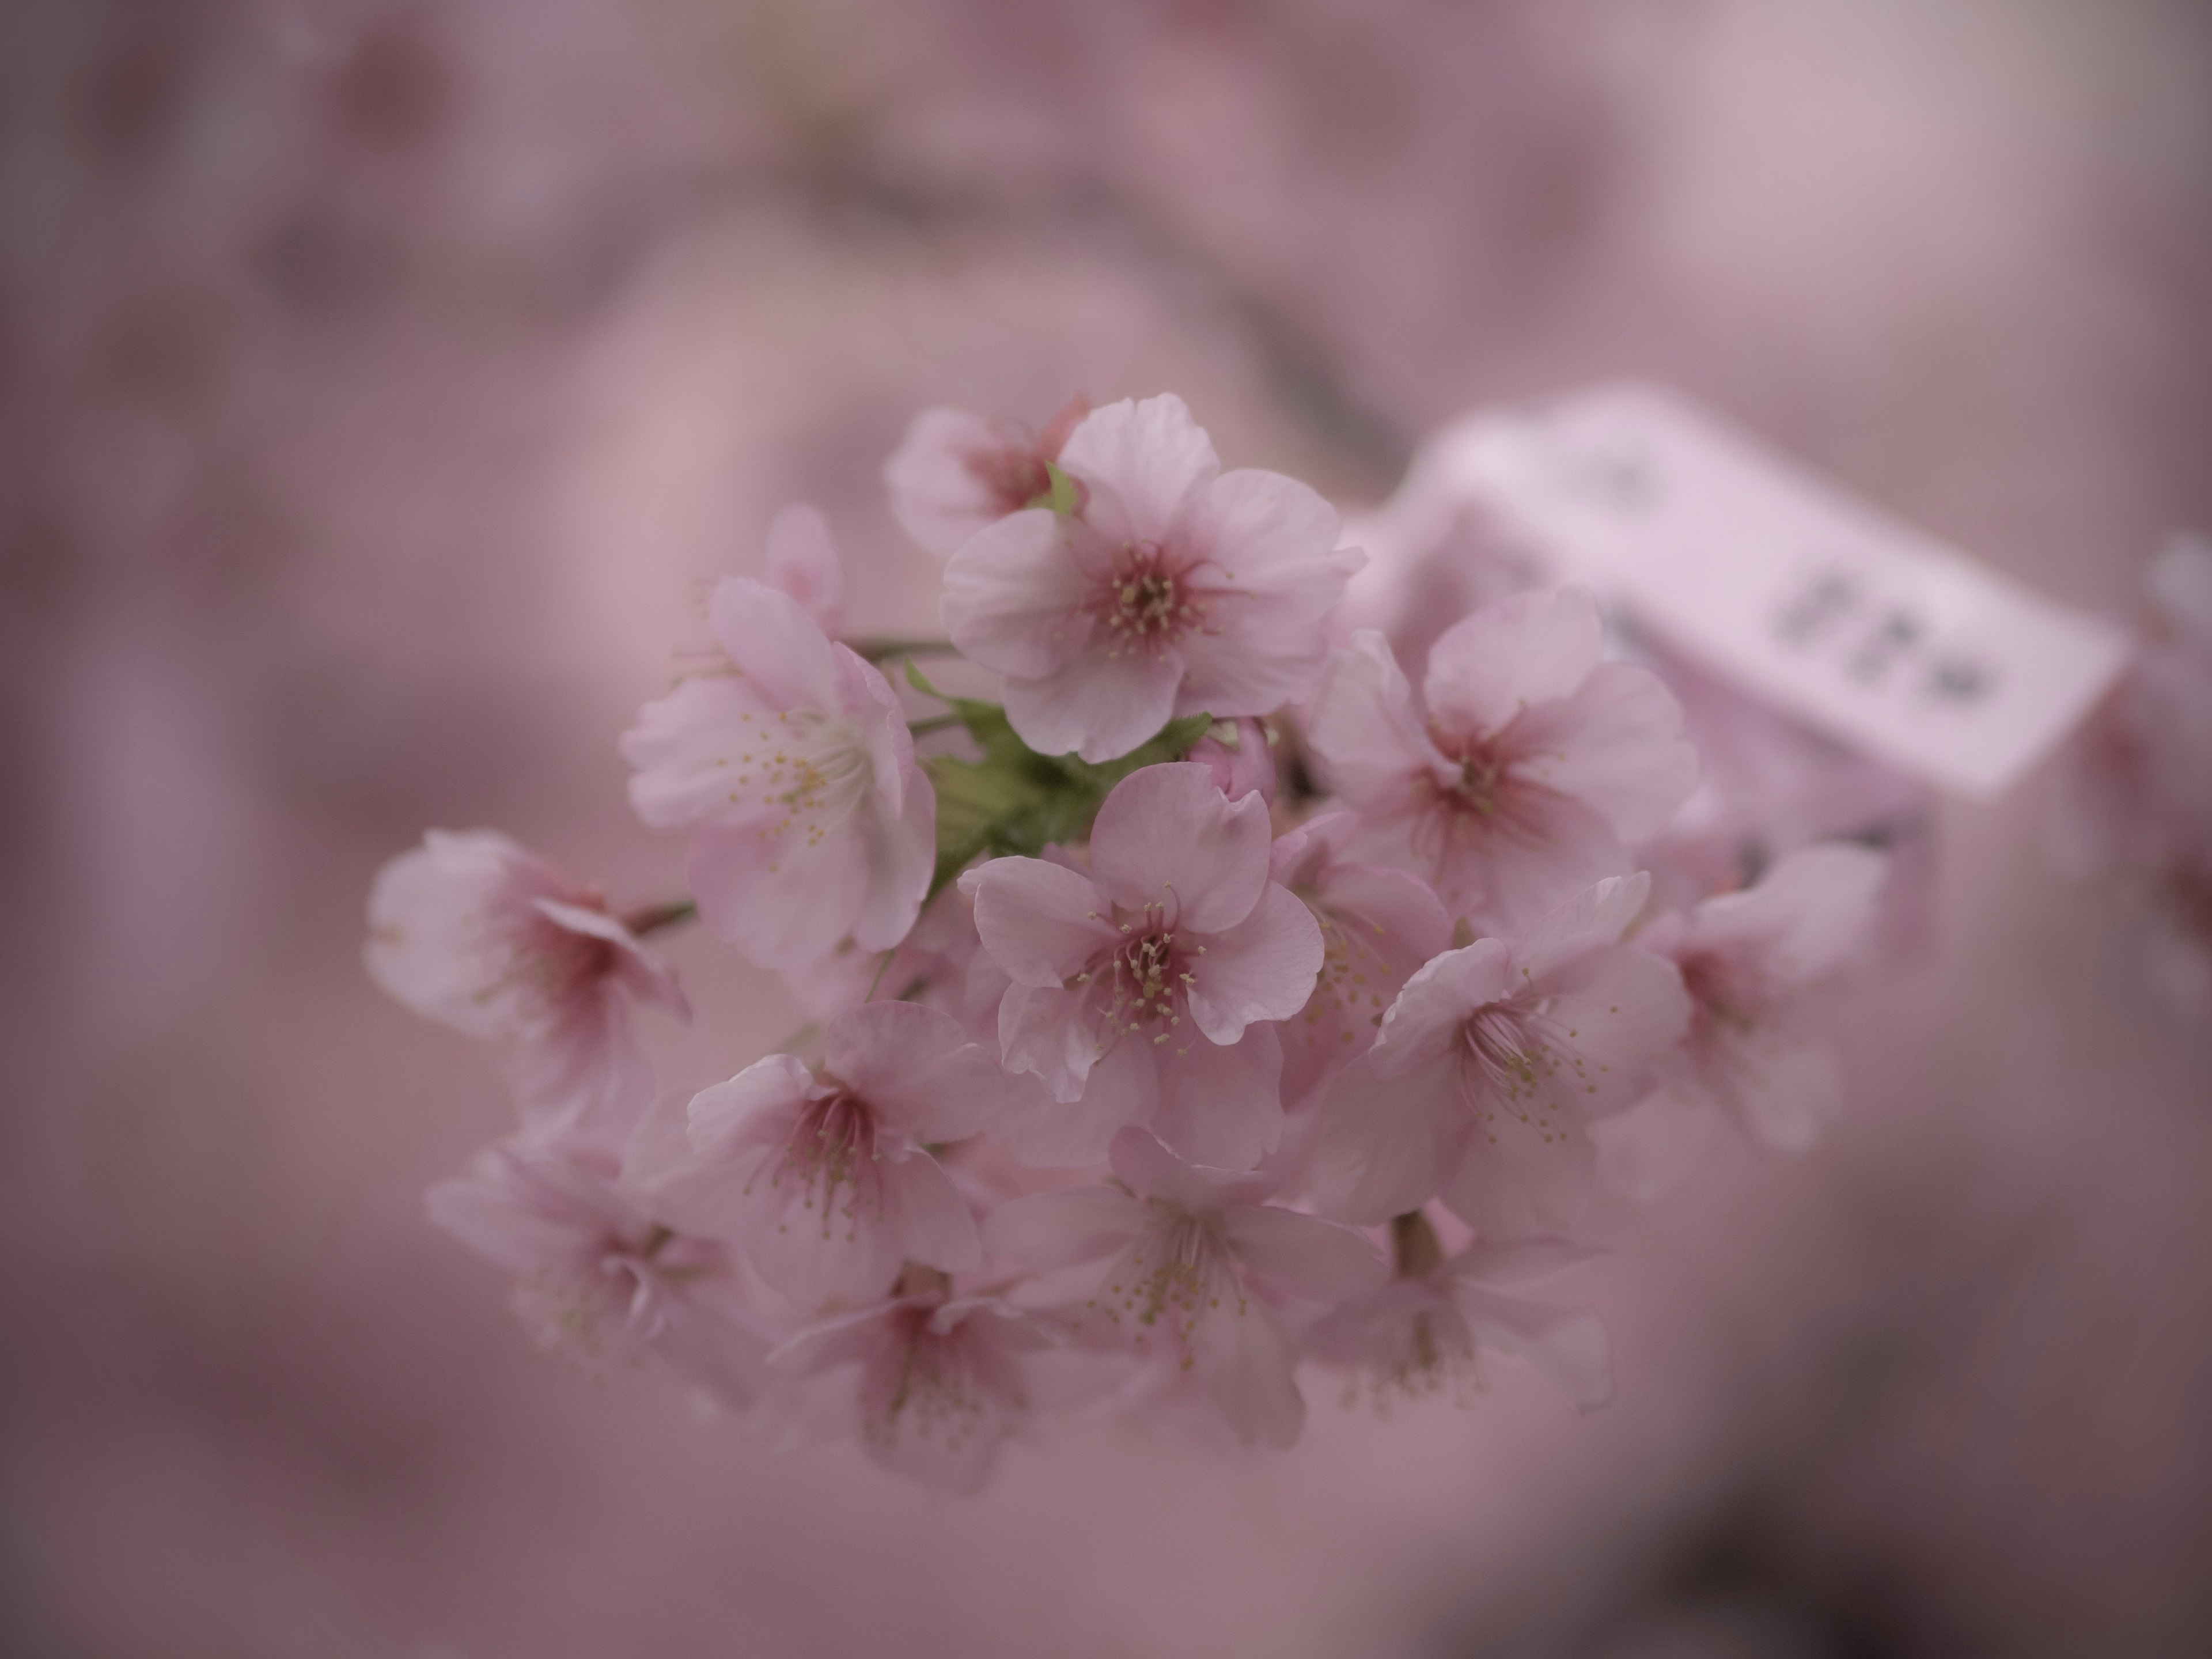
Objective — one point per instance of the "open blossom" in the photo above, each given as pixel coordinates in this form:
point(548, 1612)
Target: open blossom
point(602, 1278)
point(1177, 589)
point(799, 559)
point(1491, 1066)
point(1200, 1272)
point(1754, 963)
point(1378, 927)
point(795, 772)
point(1526, 763)
point(475, 932)
point(824, 1177)
point(1139, 990)
point(955, 472)
point(932, 1383)
point(1433, 1326)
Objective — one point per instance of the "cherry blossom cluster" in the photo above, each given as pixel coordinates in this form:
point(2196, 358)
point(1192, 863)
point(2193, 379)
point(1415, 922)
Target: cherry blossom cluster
point(1237, 997)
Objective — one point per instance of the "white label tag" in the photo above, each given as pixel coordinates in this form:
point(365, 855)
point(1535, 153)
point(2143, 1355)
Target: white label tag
point(1861, 626)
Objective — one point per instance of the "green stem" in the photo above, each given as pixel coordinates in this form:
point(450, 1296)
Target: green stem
point(882, 967)
point(650, 919)
point(934, 723)
point(875, 648)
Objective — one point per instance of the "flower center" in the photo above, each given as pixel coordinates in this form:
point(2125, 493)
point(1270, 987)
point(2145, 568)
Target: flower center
point(1143, 983)
point(807, 769)
point(1516, 1062)
point(1148, 603)
point(1173, 1278)
point(832, 1146)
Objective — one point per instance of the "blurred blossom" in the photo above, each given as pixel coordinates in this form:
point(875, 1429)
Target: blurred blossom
point(384, 388)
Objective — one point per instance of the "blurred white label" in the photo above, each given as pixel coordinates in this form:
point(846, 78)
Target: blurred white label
point(1825, 606)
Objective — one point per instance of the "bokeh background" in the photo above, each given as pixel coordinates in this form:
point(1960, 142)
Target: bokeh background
point(380, 383)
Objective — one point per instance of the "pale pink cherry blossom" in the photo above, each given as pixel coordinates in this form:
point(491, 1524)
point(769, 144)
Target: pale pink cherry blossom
point(1491, 1064)
point(1240, 758)
point(933, 1383)
point(603, 1280)
point(799, 559)
point(954, 473)
point(1141, 989)
point(1177, 589)
point(1432, 1328)
point(1514, 780)
point(794, 770)
point(1378, 927)
point(1201, 1271)
point(473, 931)
point(825, 1178)
point(1755, 964)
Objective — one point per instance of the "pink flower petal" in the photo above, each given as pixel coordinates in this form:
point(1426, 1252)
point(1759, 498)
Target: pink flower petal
point(925, 1214)
point(1521, 1176)
point(1381, 1141)
point(917, 1068)
point(687, 749)
point(1364, 730)
point(1262, 968)
point(1304, 1255)
point(1123, 1088)
point(1013, 597)
point(775, 643)
point(1044, 1030)
point(1041, 922)
point(1491, 666)
point(1099, 707)
point(1568, 1348)
point(1167, 836)
point(1142, 461)
point(1804, 917)
point(938, 498)
point(1617, 744)
point(1221, 1106)
point(783, 896)
point(799, 559)
point(1423, 1024)
point(1060, 1229)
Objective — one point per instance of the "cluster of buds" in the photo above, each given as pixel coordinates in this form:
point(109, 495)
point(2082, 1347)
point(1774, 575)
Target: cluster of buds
point(1217, 1004)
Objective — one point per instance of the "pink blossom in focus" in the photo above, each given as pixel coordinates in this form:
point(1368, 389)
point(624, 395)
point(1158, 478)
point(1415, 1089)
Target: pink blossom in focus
point(1524, 766)
point(933, 1383)
point(1201, 1273)
point(473, 931)
point(1378, 927)
point(603, 1280)
point(954, 473)
point(1177, 589)
point(799, 558)
point(795, 772)
point(1755, 963)
point(1139, 990)
point(1491, 1064)
point(1241, 759)
point(824, 1177)
point(1431, 1328)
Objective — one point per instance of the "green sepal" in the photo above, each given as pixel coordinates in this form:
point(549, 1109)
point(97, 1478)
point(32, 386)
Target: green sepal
point(1016, 802)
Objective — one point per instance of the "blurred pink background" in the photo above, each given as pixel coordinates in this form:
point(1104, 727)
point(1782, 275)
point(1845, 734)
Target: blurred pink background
point(380, 383)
